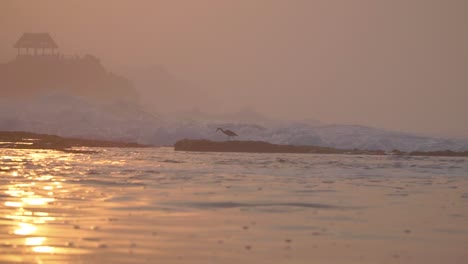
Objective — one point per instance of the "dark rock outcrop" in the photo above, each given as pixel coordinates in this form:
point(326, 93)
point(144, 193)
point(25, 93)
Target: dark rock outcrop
point(26, 140)
point(202, 145)
point(443, 153)
point(259, 147)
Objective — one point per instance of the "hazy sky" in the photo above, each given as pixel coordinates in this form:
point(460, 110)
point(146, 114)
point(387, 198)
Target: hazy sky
point(399, 64)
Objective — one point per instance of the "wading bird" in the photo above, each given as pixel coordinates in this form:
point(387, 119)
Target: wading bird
point(227, 132)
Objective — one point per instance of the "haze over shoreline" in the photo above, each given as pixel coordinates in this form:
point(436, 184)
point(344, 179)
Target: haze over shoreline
point(398, 65)
point(249, 131)
point(78, 97)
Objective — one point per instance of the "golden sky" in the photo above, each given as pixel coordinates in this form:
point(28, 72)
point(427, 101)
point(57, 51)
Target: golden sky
point(400, 64)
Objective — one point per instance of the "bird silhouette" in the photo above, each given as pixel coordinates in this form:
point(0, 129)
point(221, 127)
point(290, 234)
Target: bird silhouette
point(227, 132)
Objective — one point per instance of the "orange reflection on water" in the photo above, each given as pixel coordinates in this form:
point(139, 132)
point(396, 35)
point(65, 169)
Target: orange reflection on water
point(13, 204)
point(34, 241)
point(27, 201)
point(43, 249)
point(37, 200)
point(25, 229)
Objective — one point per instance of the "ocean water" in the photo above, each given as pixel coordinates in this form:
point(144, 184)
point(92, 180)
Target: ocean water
point(155, 205)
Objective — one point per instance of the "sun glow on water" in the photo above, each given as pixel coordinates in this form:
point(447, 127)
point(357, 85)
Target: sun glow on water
point(29, 200)
point(14, 204)
point(147, 210)
point(43, 249)
point(37, 200)
point(34, 241)
point(25, 229)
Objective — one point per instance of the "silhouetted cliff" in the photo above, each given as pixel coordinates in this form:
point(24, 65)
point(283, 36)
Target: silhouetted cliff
point(28, 76)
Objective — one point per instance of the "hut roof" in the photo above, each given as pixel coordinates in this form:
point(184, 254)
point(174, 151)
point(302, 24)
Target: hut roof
point(36, 40)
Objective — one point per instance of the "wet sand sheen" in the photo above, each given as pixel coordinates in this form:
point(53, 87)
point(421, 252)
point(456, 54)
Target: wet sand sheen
point(155, 205)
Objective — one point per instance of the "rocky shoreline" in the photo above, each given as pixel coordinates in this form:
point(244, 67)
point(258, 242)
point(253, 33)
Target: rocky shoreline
point(261, 147)
point(202, 145)
point(27, 140)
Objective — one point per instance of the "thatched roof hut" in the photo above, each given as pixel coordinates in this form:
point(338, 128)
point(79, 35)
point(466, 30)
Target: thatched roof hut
point(36, 41)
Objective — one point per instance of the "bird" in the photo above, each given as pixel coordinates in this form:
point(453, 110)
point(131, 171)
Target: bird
point(227, 132)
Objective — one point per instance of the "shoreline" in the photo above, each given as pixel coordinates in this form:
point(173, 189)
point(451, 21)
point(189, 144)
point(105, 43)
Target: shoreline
point(29, 140)
point(203, 145)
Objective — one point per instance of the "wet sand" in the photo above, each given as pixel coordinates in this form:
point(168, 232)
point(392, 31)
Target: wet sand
point(160, 206)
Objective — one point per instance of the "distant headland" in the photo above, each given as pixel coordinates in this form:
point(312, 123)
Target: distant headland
point(40, 68)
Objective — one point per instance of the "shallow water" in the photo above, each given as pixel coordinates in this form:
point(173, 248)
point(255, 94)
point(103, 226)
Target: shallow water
point(159, 206)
